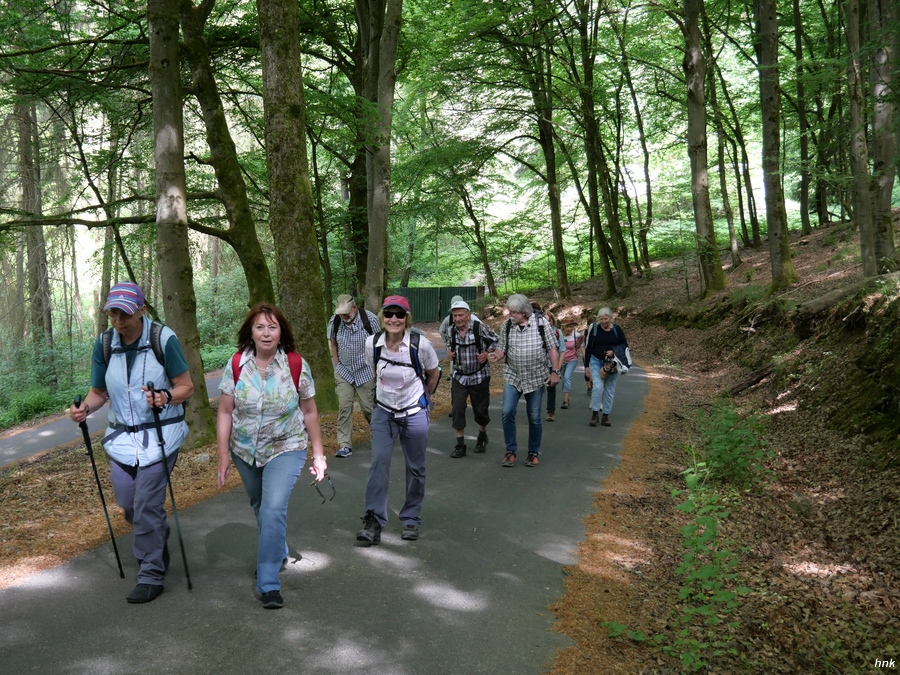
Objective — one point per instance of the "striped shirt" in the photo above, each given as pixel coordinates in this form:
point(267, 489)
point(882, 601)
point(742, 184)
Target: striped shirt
point(527, 365)
point(467, 370)
point(351, 347)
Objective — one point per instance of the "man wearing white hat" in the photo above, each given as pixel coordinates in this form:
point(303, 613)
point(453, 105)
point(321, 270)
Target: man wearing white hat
point(348, 329)
point(469, 341)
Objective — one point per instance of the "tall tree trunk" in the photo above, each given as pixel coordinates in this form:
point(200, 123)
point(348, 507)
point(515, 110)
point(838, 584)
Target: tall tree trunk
point(859, 153)
point(881, 18)
point(173, 247)
point(720, 146)
point(783, 274)
point(805, 226)
point(322, 233)
point(241, 232)
point(291, 208)
point(480, 242)
point(379, 24)
point(36, 246)
point(694, 65)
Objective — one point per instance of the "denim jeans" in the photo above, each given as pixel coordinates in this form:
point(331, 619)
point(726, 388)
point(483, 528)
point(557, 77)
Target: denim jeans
point(567, 370)
point(141, 492)
point(412, 431)
point(269, 488)
point(604, 390)
point(533, 401)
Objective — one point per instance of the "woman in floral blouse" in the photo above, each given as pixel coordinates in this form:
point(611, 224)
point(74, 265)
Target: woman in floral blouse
point(267, 419)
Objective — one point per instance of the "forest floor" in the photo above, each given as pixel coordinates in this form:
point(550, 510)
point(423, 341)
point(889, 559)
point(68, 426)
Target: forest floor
point(816, 546)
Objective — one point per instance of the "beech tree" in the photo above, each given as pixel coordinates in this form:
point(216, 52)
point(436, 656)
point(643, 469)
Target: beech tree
point(176, 271)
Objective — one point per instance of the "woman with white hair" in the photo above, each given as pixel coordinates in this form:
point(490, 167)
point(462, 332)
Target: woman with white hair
point(605, 341)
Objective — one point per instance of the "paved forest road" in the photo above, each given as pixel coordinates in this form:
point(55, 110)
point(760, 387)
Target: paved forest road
point(470, 596)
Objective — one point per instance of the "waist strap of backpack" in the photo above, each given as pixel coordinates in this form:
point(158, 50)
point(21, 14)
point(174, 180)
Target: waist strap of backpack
point(119, 429)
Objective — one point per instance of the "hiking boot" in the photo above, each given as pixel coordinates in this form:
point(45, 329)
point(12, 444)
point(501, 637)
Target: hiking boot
point(459, 451)
point(410, 532)
point(272, 600)
point(590, 390)
point(144, 593)
point(604, 421)
point(481, 443)
point(595, 419)
point(551, 417)
point(532, 459)
point(343, 452)
point(565, 404)
point(509, 459)
point(371, 532)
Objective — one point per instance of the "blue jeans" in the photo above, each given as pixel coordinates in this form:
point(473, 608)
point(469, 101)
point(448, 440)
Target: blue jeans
point(604, 390)
point(412, 431)
point(567, 370)
point(533, 400)
point(269, 488)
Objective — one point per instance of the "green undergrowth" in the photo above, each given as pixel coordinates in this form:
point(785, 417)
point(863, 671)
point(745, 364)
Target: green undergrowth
point(730, 457)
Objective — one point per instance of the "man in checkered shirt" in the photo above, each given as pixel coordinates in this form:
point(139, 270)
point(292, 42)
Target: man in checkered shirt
point(347, 330)
point(526, 340)
point(468, 351)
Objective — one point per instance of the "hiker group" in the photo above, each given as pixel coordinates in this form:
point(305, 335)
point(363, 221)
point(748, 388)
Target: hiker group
point(267, 420)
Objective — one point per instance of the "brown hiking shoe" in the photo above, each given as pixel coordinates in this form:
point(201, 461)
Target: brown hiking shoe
point(532, 460)
point(509, 459)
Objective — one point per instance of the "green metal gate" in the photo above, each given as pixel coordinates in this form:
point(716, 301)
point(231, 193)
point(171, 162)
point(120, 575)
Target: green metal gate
point(433, 304)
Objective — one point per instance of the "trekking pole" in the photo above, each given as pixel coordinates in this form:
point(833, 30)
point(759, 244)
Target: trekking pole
point(162, 449)
point(90, 453)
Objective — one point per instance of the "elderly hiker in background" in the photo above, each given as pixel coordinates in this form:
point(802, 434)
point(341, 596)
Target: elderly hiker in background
point(605, 344)
point(406, 374)
point(551, 388)
point(267, 421)
point(348, 329)
point(128, 355)
point(525, 342)
point(444, 331)
point(571, 346)
point(469, 342)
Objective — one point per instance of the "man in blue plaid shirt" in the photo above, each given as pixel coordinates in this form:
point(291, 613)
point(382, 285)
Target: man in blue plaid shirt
point(526, 340)
point(468, 344)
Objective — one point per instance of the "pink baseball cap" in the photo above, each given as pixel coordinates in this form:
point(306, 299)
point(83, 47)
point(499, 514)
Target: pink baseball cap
point(125, 296)
point(396, 301)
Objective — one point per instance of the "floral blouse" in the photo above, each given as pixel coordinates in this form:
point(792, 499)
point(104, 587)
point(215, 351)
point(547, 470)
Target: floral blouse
point(267, 420)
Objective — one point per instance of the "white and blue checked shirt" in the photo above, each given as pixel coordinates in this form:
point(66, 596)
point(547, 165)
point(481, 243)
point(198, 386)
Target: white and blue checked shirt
point(351, 347)
point(467, 371)
point(527, 366)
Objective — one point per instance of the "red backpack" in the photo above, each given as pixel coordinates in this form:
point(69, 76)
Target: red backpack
point(295, 361)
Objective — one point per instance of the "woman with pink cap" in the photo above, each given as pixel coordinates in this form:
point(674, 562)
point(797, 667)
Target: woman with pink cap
point(406, 374)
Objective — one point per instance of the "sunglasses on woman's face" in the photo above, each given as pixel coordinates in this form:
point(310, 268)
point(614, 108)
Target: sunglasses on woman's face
point(394, 313)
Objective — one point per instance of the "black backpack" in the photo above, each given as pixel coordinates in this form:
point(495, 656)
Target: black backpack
point(479, 342)
point(364, 315)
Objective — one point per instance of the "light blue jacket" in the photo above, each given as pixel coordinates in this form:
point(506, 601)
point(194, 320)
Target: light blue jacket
point(131, 438)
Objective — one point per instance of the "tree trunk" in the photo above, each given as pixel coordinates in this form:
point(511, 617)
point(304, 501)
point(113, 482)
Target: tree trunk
point(480, 243)
point(694, 65)
point(783, 274)
point(720, 146)
point(291, 207)
point(36, 247)
point(881, 16)
point(805, 225)
point(171, 209)
point(379, 24)
point(241, 232)
point(859, 153)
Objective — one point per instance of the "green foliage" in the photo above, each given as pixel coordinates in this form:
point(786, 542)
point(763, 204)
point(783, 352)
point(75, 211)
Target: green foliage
point(734, 451)
point(216, 356)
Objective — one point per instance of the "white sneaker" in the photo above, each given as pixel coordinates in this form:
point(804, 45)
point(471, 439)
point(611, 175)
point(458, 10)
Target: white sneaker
point(343, 452)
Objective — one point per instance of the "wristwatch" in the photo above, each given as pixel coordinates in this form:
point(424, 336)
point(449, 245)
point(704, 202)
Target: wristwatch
point(557, 371)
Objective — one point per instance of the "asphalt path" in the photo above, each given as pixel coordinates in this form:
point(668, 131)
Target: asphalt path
point(470, 596)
